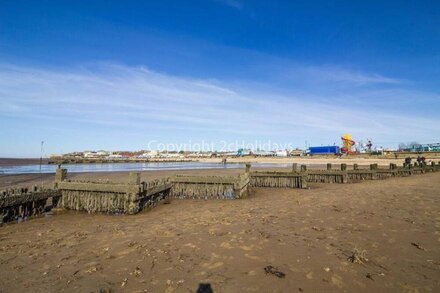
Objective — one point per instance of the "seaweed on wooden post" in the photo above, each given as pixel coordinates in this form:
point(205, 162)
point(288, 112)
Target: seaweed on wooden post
point(355, 167)
point(60, 175)
point(343, 167)
point(329, 166)
point(134, 178)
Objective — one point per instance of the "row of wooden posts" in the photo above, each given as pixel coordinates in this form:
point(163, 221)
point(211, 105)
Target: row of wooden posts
point(133, 196)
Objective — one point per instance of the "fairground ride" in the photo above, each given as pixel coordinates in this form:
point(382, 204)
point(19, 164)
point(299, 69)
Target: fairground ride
point(347, 144)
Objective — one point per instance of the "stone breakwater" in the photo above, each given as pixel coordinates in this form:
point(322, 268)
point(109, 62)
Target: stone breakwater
point(134, 196)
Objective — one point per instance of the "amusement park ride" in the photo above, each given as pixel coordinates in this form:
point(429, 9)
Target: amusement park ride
point(349, 146)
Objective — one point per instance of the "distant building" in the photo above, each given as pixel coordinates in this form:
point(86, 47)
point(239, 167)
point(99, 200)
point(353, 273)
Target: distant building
point(282, 153)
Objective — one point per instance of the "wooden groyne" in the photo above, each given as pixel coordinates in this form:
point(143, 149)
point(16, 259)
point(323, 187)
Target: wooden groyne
point(299, 178)
point(210, 187)
point(134, 196)
point(23, 202)
point(110, 197)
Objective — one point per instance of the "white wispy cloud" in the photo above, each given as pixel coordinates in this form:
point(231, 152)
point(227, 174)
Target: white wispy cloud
point(335, 74)
point(111, 97)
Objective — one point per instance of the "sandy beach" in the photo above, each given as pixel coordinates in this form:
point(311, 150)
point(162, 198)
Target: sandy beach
point(373, 236)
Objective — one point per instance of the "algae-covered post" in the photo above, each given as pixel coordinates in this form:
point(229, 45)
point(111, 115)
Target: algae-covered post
point(329, 166)
point(60, 175)
point(134, 178)
point(355, 167)
point(343, 167)
point(133, 192)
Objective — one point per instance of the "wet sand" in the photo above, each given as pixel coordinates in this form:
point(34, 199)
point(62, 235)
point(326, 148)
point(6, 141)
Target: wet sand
point(309, 235)
point(21, 162)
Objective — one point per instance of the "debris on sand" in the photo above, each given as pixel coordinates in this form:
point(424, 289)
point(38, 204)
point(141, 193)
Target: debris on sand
point(418, 246)
point(336, 208)
point(370, 276)
point(317, 229)
point(92, 270)
point(204, 288)
point(358, 256)
point(274, 271)
point(124, 282)
point(137, 272)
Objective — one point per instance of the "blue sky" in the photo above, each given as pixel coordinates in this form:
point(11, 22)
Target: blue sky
point(119, 74)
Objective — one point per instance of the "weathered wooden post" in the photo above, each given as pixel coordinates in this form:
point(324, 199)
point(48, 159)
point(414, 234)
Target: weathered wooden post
point(329, 166)
point(61, 174)
point(432, 165)
point(373, 171)
point(133, 188)
point(248, 168)
point(304, 176)
point(294, 167)
point(134, 178)
point(355, 167)
point(344, 173)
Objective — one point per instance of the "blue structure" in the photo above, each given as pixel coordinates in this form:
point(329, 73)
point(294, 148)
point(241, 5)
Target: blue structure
point(324, 150)
point(430, 147)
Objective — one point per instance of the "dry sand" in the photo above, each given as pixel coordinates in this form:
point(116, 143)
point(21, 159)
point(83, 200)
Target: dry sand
point(309, 235)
